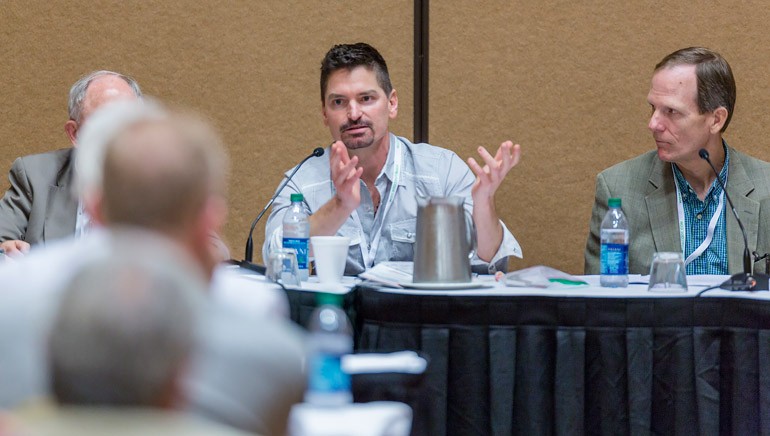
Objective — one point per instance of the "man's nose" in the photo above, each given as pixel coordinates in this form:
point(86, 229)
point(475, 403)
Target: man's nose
point(354, 111)
point(655, 125)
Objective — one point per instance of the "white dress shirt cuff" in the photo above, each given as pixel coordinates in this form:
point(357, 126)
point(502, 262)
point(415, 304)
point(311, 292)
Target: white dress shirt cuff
point(509, 247)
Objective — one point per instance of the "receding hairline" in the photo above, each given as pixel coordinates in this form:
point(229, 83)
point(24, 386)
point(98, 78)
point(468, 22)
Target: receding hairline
point(79, 89)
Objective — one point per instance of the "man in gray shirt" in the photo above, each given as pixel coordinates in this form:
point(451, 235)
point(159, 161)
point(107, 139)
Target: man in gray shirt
point(368, 184)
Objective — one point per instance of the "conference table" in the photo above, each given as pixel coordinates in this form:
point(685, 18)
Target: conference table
point(574, 359)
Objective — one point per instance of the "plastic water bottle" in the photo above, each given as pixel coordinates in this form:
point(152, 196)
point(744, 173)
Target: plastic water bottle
point(296, 231)
point(330, 338)
point(614, 250)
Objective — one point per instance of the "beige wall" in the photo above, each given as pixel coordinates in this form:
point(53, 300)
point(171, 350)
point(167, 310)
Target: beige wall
point(567, 80)
point(251, 66)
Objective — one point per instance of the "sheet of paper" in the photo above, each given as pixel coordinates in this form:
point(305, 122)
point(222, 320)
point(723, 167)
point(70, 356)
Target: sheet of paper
point(389, 273)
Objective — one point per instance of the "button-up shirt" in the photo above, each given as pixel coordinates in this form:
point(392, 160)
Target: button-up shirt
point(426, 171)
point(697, 215)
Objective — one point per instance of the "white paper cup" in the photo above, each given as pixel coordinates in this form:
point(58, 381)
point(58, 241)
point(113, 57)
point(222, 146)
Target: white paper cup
point(331, 254)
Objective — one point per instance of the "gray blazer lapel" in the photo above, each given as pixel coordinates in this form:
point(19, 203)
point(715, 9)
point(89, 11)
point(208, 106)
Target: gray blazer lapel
point(62, 207)
point(661, 208)
point(740, 186)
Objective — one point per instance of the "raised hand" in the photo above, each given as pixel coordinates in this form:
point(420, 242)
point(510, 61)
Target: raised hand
point(345, 176)
point(491, 175)
point(488, 179)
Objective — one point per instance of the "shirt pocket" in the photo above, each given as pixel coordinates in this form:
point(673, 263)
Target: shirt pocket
point(351, 231)
point(403, 236)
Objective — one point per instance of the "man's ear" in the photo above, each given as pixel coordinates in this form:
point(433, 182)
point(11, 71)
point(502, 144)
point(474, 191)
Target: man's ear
point(211, 218)
point(215, 213)
point(71, 129)
point(393, 104)
point(323, 114)
point(207, 243)
point(93, 203)
point(719, 119)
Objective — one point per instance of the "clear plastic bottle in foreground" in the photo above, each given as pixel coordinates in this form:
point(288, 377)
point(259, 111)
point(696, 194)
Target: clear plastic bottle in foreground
point(614, 248)
point(296, 231)
point(330, 338)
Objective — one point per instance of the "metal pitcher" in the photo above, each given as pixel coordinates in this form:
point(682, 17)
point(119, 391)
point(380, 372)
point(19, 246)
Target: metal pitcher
point(446, 241)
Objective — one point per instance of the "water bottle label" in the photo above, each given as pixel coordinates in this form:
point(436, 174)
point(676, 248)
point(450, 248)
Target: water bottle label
point(326, 374)
point(614, 259)
point(300, 245)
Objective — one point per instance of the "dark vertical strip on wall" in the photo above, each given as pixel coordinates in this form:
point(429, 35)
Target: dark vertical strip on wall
point(420, 71)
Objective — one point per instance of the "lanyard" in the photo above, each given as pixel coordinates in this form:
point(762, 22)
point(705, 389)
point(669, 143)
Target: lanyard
point(712, 224)
point(369, 252)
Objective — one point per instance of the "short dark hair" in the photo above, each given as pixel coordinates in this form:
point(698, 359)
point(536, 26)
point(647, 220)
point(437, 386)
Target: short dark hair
point(349, 56)
point(716, 84)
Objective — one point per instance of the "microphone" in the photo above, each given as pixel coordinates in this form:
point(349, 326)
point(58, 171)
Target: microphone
point(745, 281)
point(247, 263)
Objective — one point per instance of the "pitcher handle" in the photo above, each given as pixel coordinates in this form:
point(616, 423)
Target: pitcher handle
point(471, 233)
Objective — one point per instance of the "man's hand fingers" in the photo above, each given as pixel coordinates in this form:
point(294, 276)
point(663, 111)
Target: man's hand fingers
point(352, 179)
point(513, 157)
point(15, 248)
point(345, 171)
point(340, 152)
point(491, 175)
point(481, 173)
point(488, 159)
point(493, 166)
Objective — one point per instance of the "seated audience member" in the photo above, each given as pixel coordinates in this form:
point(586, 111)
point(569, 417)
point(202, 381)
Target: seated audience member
point(246, 373)
point(147, 173)
point(40, 206)
point(119, 346)
point(670, 195)
point(367, 185)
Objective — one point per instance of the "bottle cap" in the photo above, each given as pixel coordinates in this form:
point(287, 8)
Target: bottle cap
point(613, 202)
point(296, 197)
point(327, 298)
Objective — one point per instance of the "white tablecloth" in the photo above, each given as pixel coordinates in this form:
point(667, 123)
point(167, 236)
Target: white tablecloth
point(378, 418)
point(637, 288)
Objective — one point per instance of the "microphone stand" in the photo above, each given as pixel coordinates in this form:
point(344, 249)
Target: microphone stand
point(766, 257)
point(747, 280)
point(246, 263)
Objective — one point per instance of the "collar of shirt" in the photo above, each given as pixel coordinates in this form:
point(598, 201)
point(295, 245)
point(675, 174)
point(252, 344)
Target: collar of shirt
point(388, 170)
point(82, 220)
point(688, 194)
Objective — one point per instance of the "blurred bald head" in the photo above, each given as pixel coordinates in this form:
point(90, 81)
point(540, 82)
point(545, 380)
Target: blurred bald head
point(142, 165)
point(125, 330)
point(161, 173)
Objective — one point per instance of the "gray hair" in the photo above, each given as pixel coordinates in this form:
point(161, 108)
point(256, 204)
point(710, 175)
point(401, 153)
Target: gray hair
point(78, 91)
point(125, 328)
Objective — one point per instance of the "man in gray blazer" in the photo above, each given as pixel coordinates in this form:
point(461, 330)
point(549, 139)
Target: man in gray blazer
point(670, 196)
point(40, 205)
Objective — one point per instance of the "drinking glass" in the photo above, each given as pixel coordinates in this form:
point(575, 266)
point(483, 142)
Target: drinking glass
point(282, 265)
point(667, 273)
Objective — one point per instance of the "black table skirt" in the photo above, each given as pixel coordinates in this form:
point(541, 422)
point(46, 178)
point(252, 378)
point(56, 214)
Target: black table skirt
point(549, 365)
